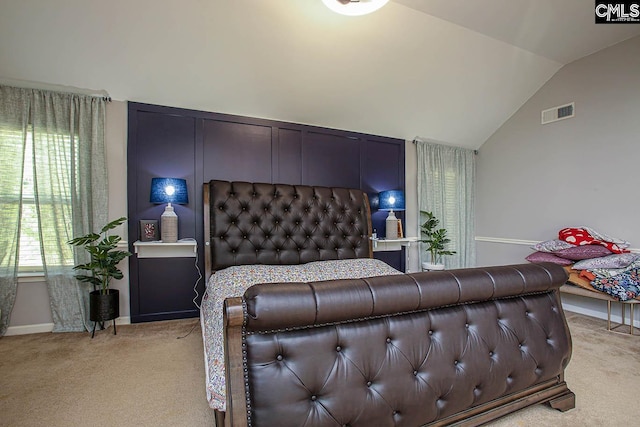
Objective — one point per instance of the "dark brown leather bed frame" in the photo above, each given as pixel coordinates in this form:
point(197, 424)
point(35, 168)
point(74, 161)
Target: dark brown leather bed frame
point(256, 223)
point(457, 347)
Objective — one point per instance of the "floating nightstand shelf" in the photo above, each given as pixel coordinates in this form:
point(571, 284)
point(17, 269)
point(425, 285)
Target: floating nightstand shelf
point(184, 248)
point(388, 245)
point(392, 244)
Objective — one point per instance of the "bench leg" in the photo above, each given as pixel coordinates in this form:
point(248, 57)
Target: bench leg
point(623, 312)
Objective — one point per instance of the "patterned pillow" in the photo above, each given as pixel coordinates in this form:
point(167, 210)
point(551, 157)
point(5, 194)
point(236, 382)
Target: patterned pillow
point(548, 257)
point(552, 245)
point(578, 253)
point(609, 261)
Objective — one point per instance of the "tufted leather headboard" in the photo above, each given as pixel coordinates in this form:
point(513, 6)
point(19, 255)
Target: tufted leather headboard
point(260, 223)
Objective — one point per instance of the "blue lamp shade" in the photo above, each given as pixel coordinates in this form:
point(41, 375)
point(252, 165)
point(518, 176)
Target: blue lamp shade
point(169, 190)
point(391, 200)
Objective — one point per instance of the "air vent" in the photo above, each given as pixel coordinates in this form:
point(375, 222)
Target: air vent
point(558, 113)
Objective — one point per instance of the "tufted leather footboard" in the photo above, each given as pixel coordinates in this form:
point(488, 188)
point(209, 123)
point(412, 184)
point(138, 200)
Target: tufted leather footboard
point(460, 346)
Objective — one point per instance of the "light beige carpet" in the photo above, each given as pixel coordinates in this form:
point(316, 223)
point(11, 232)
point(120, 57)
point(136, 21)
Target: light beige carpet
point(143, 376)
point(146, 376)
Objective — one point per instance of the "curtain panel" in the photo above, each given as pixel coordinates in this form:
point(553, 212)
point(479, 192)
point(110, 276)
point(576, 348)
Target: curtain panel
point(55, 140)
point(446, 177)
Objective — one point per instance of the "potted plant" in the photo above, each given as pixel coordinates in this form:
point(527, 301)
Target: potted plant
point(104, 302)
point(436, 241)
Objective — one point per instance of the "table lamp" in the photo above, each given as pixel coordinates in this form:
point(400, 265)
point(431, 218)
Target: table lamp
point(388, 201)
point(169, 190)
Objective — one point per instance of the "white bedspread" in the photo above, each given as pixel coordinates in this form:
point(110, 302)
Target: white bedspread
point(233, 281)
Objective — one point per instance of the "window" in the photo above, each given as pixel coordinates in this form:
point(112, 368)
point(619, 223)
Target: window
point(30, 251)
point(52, 185)
point(29, 259)
point(445, 187)
point(453, 183)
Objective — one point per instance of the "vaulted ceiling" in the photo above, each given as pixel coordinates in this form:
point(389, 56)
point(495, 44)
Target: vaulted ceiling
point(559, 30)
point(449, 70)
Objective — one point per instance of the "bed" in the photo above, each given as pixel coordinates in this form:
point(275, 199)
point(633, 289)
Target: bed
point(265, 233)
point(284, 260)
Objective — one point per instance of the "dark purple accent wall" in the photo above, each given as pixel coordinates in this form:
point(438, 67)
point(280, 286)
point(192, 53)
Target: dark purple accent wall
point(332, 160)
point(199, 146)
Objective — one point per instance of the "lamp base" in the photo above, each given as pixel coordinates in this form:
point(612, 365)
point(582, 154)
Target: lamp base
point(169, 225)
point(391, 226)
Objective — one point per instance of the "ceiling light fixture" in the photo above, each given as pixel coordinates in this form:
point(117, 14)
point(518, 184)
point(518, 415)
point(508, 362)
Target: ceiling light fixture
point(354, 7)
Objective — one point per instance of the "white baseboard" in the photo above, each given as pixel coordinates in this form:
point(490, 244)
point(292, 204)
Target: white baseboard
point(48, 327)
point(29, 329)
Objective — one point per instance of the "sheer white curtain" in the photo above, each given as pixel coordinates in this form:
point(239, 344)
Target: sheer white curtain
point(13, 121)
point(53, 186)
point(446, 177)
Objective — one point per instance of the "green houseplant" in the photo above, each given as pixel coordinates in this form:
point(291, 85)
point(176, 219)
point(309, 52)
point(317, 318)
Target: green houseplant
point(436, 241)
point(101, 268)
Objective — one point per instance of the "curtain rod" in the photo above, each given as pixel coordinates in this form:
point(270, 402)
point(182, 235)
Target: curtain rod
point(27, 84)
point(415, 140)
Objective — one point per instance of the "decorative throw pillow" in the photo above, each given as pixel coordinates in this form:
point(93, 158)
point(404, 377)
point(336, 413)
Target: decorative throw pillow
point(552, 245)
point(609, 261)
point(581, 236)
point(548, 257)
point(578, 253)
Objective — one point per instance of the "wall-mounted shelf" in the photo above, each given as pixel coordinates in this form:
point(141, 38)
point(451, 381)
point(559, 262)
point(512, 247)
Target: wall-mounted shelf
point(392, 244)
point(157, 249)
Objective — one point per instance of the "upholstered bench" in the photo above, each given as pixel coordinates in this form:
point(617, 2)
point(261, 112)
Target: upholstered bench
point(577, 290)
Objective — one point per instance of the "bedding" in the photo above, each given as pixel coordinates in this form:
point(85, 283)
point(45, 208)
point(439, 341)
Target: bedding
point(624, 286)
point(612, 272)
point(233, 281)
point(594, 261)
point(578, 253)
point(606, 262)
point(551, 245)
point(548, 257)
point(586, 236)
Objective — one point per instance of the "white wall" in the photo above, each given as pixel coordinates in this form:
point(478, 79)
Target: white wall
point(396, 72)
point(534, 179)
point(411, 200)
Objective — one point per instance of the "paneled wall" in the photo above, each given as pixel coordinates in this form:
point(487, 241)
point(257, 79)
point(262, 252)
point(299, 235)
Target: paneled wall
point(200, 146)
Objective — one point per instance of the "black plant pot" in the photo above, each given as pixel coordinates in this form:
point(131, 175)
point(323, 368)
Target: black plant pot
point(104, 307)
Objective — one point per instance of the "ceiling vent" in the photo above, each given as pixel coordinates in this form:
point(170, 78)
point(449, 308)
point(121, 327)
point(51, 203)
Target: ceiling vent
point(558, 113)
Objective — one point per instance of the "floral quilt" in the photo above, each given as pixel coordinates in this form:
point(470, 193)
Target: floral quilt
point(233, 281)
point(623, 286)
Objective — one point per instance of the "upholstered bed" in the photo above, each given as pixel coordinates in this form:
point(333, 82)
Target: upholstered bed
point(301, 326)
point(261, 233)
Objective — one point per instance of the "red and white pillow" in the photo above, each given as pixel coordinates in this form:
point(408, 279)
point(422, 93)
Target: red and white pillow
point(581, 236)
